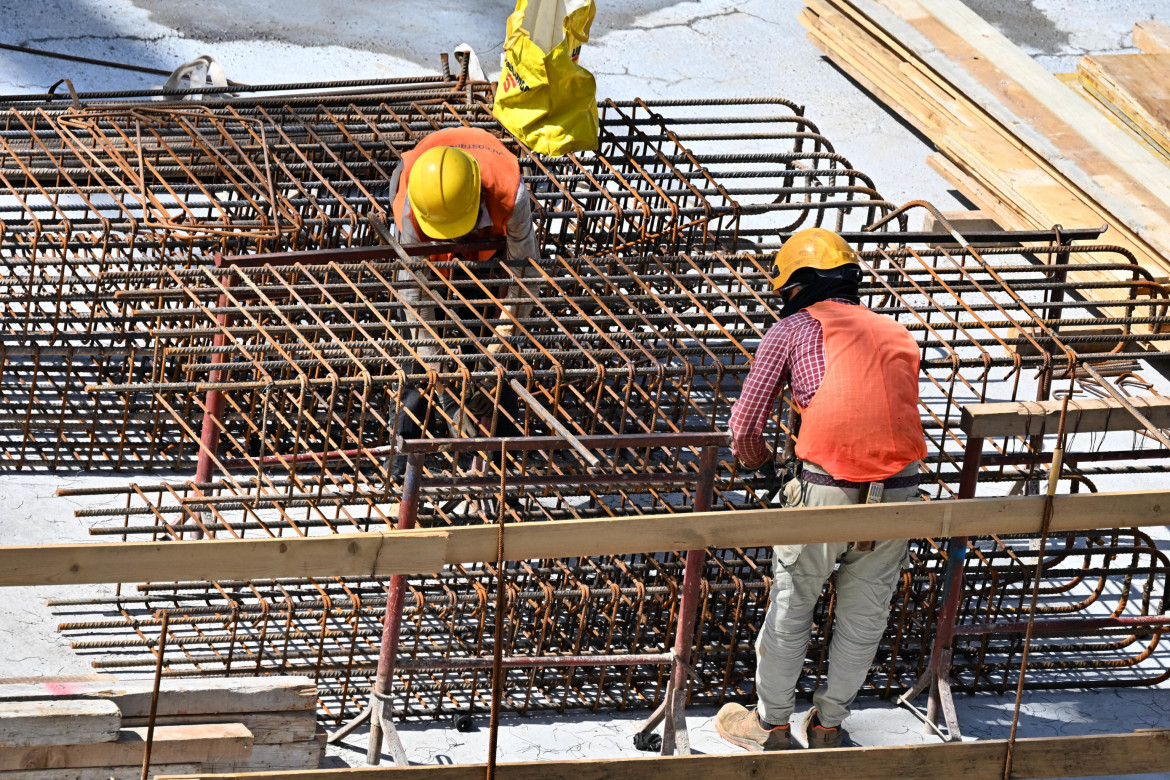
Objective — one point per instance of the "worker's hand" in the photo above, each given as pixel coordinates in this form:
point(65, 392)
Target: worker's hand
point(767, 480)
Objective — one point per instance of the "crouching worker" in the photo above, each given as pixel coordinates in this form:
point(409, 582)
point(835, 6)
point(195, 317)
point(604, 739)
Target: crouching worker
point(854, 378)
point(461, 184)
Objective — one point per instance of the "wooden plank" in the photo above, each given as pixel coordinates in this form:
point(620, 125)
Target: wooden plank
point(1089, 415)
point(58, 722)
point(172, 745)
point(981, 196)
point(1136, 88)
point(184, 696)
point(102, 773)
point(415, 552)
point(1016, 160)
point(236, 559)
point(1121, 174)
point(1151, 36)
point(284, 758)
point(1015, 184)
point(1046, 757)
point(57, 678)
point(268, 728)
point(1073, 82)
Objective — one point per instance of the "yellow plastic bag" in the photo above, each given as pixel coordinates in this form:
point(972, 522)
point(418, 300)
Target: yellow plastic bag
point(544, 97)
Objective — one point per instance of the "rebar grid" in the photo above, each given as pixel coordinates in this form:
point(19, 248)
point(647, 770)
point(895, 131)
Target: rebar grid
point(639, 318)
point(314, 363)
point(103, 196)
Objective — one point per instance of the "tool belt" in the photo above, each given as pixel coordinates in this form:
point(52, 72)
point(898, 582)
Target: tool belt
point(867, 492)
point(893, 483)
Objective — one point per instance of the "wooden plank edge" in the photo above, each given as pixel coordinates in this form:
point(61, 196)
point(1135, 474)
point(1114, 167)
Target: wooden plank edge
point(425, 551)
point(1044, 757)
point(1151, 36)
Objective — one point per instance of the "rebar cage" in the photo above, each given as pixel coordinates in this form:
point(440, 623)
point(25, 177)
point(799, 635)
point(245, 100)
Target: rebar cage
point(134, 348)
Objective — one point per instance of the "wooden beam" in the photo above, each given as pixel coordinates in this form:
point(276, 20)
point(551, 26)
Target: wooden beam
point(58, 722)
point(1152, 37)
point(1108, 754)
point(182, 696)
point(268, 728)
point(1089, 415)
point(172, 745)
point(102, 772)
point(426, 551)
point(1033, 166)
point(1020, 93)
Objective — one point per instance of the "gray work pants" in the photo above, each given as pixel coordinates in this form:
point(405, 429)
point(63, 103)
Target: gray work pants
point(865, 583)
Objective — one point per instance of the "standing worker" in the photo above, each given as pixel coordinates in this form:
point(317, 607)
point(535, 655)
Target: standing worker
point(854, 378)
point(460, 184)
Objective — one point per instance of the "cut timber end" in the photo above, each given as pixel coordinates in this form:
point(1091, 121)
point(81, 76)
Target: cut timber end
point(974, 220)
point(58, 722)
point(1152, 37)
point(199, 744)
point(1135, 88)
point(184, 696)
point(964, 222)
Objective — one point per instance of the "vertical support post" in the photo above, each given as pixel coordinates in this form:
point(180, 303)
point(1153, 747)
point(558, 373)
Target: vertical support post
point(382, 727)
point(158, 668)
point(1060, 276)
point(1054, 314)
point(675, 738)
point(215, 401)
point(937, 678)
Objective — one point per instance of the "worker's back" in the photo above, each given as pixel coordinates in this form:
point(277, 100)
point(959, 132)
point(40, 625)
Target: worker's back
point(863, 423)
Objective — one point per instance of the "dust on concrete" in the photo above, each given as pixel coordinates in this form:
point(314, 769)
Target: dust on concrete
point(1022, 23)
point(386, 26)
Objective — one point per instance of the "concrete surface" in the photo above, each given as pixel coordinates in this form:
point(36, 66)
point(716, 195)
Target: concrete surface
point(644, 48)
point(640, 48)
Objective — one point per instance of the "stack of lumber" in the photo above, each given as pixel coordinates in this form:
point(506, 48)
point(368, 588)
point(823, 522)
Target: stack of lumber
point(79, 728)
point(1133, 88)
point(1022, 146)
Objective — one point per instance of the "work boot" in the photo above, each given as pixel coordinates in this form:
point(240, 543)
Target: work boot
point(741, 726)
point(818, 735)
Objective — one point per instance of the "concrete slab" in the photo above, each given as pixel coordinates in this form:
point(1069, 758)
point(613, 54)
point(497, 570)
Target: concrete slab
point(654, 49)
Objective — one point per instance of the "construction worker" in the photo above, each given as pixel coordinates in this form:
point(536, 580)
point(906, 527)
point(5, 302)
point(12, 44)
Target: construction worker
point(854, 377)
point(460, 184)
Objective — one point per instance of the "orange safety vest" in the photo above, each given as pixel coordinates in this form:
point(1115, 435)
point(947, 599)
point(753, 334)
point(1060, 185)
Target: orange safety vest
point(863, 425)
point(499, 178)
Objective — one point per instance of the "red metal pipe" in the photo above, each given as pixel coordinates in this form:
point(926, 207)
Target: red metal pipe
point(213, 406)
point(395, 599)
point(940, 652)
point(674, 727)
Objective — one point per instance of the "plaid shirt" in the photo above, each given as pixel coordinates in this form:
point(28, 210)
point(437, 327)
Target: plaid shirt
point(793, 350)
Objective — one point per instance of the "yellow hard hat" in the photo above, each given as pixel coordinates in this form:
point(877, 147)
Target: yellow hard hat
point(444, 192)
point(811, 248)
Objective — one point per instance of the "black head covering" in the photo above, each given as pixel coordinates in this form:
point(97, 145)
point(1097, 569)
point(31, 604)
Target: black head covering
point(842, 282)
